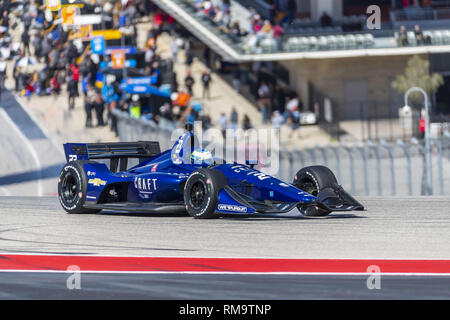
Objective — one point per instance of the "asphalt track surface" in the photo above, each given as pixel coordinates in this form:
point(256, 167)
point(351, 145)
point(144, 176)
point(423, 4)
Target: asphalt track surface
point(391, 228)
point(400, 228)
point(219, 286)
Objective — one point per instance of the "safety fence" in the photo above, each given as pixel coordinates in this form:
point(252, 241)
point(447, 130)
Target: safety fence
point(378, 169)
point(369, 169)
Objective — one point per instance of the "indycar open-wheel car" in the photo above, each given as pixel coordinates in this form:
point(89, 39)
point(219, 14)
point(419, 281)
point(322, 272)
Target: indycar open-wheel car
point(186, 179)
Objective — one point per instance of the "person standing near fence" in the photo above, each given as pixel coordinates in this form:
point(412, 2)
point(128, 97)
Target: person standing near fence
point(189, 82)
point(206, 80)
point(223, 123)
point(277, 121)
point(234, 120)
point(73, 93)
point(99, 107)
point(264, 101)
point(246, 123)
point(293, 115)
point(88, 103)
point(73, 76)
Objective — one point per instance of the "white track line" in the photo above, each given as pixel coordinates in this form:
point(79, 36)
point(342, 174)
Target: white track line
point(403, 274)
point(30, 148)
point(214, 257)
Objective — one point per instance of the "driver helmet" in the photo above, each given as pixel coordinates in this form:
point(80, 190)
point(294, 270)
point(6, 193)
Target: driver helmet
point(202, 156)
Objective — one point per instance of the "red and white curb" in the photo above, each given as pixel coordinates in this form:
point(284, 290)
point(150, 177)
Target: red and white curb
point(120, 264)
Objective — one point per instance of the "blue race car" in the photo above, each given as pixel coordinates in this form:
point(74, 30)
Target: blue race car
point(188, 179)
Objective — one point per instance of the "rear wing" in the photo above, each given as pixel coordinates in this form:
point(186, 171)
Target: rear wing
point(114, 151)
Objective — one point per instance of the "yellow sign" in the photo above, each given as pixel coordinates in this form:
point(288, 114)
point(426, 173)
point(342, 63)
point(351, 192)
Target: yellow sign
point(54, 5)
point(107, 34)
point(68, 14)
point(85, 33)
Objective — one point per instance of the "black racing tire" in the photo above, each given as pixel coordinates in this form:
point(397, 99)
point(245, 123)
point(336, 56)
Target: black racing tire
point(72, 186)
point(312, 180)
point(201, 193)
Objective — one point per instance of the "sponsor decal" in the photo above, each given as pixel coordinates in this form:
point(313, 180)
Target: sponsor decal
point(145, 186)
point(91, 174)
point(231, 207)
point(97, 182)
point(154, 168)
point(240, 168)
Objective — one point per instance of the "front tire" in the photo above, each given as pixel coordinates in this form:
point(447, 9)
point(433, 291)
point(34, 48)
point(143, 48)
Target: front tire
point(72, 186)
point(312, 180)
point(201, 193)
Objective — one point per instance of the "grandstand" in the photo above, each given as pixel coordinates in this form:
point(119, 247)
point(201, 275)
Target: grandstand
point(303, 35)
point(327, 45)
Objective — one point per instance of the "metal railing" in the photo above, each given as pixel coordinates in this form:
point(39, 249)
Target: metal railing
point(377, 169)
point(369, 169)
point(412, 13)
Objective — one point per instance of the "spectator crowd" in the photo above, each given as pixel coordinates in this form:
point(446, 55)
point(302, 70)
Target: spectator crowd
point(52, 60)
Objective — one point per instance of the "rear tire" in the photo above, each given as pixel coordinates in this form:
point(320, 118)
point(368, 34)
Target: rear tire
point(72, 186)
point(312, 180)
point(201, 193)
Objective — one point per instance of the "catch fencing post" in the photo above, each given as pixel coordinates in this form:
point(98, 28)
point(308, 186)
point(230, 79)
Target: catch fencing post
point(362, 150)
point(438, 144)
point(312, 153)
point(284, 155)
point(377, 155)
point(140, 130)
point(427, 188)
point(129, 128)
point(338, 160)
point(391, 160)
point(352, 167)
point(291, 165)
point(324, 154)
point(407, 153)
point(301, 156)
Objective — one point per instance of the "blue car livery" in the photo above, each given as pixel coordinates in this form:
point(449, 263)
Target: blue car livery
point(187, 179)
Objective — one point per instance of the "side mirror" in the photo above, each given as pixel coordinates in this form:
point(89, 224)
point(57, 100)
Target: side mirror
point(251, 163)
